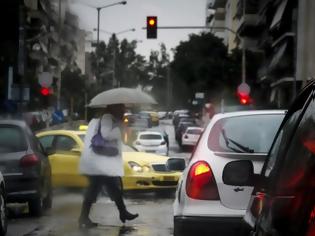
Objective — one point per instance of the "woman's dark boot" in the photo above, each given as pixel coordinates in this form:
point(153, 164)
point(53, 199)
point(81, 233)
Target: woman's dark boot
point(125, 215)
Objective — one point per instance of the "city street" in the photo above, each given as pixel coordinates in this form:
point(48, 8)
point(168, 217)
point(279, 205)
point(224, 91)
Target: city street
point(155, 211)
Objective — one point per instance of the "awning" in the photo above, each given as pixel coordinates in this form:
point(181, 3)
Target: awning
point(279, 14)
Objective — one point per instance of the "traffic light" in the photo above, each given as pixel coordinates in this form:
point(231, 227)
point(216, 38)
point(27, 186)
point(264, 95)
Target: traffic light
point(44, 91)
point(244, 98)
point(151, 27)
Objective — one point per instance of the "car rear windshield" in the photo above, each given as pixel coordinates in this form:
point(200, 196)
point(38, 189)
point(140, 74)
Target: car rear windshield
point(194, 131)
point(248, 134)
point(150, 136)
point(12, 139)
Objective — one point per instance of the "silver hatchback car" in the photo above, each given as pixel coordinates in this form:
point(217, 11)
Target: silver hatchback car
point(25, 167)
point(203, 201)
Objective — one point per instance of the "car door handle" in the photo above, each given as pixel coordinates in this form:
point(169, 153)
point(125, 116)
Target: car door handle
point(238, 189)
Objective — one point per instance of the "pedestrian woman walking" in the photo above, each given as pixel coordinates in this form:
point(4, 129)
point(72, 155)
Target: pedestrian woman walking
point(104, 168)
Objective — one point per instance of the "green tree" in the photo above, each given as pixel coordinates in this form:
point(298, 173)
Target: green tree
point(200, 65)
point(157, 70)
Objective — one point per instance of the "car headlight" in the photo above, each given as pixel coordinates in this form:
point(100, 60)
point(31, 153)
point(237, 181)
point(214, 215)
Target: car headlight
point(146, 168)
point(135, 166)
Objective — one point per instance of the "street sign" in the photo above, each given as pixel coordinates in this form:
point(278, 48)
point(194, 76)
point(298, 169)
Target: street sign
point(45, 79)
point(243, 89)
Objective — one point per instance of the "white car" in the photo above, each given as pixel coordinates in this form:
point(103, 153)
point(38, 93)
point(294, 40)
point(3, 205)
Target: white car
point(151, 141)
point(203, 202)
point(191, 136)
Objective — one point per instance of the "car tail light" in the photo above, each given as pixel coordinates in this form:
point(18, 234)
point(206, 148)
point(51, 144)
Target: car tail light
point(29, 160)
point(186, 136)
point(163, 143)
point(201, 183)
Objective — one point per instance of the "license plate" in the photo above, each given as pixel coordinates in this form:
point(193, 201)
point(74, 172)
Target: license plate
point(169, 178)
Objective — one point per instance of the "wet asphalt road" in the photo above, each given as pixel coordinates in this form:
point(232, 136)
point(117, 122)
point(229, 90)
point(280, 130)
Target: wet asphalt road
point(155, 211)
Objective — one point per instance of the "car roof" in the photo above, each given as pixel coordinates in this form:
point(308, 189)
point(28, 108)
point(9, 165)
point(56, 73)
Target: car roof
point(252, 112)
point(194, 127)
point(150, 132)
point(19, 123)
point(54, 132)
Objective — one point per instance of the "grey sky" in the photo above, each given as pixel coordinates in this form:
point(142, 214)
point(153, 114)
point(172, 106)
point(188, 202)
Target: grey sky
point(133, 15)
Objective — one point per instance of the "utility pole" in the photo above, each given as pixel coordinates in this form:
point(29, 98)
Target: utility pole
point(97, 44)
point(114, 63)
point(169, 87)
point(21, 56)
point(59, 64)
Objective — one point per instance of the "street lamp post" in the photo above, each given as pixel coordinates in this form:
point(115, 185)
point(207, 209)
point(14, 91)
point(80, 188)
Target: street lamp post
point(98, 29)
point(114, 82)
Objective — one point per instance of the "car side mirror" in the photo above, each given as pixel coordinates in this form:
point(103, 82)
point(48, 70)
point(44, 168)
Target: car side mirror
point(176, 164)
point(239, 173)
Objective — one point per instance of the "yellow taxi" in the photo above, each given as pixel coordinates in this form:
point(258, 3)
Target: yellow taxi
point(143, 171)
point(154, 117)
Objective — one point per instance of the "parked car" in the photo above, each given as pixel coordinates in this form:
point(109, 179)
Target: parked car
point(25, 167)
point(180, 130)
point(178, 117)
point(143, 171)
point(3, 207)
point(151, 141)
point(162, 114)
point(202, 199)
point(191, 136)
point(283, 200)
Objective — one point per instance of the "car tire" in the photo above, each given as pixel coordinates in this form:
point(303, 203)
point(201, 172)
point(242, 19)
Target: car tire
point(48, 201)
point(178, 231)
point(3, 214)
point(36, 206)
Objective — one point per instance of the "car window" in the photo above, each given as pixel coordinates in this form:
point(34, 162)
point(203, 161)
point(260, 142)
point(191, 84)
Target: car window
point(299, 161)
point(64, 143)
point(150, 136)
point(47, 141)
point(281, 141)
point(82, 136)
point(279, 145)
point(194, 131)
point(252, 133)
point(9, 133)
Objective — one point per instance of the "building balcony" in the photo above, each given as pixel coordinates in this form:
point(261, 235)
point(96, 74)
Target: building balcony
point(249, 25)
point(218, 3)
point(220, 14)
point(218, 26)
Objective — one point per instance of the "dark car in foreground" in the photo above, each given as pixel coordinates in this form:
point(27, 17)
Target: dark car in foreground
point(283, 200)
point(25, 167)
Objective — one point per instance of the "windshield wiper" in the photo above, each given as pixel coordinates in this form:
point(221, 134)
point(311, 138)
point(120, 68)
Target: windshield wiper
point(241, 148)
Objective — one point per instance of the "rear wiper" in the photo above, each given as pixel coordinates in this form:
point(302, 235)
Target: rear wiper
point(241, 148)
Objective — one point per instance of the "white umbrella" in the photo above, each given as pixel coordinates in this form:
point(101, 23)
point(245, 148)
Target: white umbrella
point(121, 96)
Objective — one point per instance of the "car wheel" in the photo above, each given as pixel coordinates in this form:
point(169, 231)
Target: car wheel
point(3, 214)
point(47, 202)
point(178, 230)
point(36, 207)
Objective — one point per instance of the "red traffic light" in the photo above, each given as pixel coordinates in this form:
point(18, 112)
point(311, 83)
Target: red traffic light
point(151, 27)
point(44, 91)
point(244, 98)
